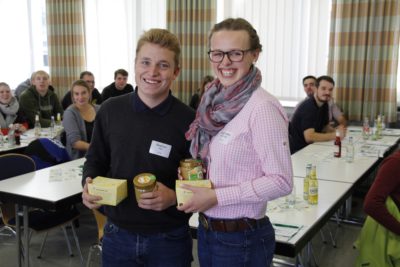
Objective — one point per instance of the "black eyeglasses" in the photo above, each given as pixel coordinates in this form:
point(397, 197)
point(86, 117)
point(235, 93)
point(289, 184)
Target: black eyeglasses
point(217, 56)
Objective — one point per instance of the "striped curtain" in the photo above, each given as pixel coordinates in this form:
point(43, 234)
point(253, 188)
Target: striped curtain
point(191, 21)
point(66, 42)
point(363, 56)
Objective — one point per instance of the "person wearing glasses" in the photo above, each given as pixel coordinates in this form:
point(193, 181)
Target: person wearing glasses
point(95, 99)
point(241, 135)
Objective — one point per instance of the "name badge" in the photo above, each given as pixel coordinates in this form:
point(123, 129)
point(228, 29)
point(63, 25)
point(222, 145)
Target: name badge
point(224, 137)
point(160, 149)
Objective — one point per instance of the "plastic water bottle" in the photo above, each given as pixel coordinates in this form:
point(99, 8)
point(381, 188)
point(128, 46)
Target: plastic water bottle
point(350, 150)
point(52, 127)
point(11, 140)
point(38, 127)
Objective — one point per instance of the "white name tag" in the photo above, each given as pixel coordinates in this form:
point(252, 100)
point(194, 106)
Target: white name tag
point(160, 149)
point(224, 137)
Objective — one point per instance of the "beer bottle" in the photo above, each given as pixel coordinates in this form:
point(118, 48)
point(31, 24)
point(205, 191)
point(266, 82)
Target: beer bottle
point(305, 182)
point(313, 187)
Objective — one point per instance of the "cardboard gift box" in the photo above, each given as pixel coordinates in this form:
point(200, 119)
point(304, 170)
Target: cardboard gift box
point(113, 191)
point(183, 195)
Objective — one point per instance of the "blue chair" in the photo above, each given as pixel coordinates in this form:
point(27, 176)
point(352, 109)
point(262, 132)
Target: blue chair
point(46, 152)
point(39, 220)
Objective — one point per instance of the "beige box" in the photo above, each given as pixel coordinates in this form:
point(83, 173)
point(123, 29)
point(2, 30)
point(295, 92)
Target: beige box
point(183, 195)
point(113, 191)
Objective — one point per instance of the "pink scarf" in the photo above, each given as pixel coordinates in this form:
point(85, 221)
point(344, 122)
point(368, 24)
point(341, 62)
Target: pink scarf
point(219, 106)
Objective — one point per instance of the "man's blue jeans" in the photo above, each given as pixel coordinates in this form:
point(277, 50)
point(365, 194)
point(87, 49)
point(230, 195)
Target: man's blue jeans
point(251, 248)
point(123, 248)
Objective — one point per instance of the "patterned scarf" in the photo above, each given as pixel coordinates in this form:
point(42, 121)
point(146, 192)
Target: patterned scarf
point(8, 112)
point(219, 106)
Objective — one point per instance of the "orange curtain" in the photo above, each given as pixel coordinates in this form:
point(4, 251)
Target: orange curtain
point(363, 57)
point(66, 42)
point(191, 21)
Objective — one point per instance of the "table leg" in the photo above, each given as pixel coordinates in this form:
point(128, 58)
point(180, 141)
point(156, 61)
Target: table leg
point(18, 236)
point(26, 236)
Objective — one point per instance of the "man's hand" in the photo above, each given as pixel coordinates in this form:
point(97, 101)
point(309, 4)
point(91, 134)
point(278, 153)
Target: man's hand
point(160, 199)
point(87, 199)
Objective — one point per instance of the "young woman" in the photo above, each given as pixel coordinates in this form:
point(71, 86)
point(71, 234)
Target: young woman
point(241, 134)
point(10, 113)
point(79, 120)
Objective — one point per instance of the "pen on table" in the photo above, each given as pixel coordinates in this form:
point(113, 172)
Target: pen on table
point(286, 225)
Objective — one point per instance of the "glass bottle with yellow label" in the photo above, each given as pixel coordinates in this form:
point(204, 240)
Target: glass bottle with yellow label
point(313, 187)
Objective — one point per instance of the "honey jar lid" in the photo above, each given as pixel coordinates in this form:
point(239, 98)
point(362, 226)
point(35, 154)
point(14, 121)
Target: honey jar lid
point(144, 179)
point(190, 162)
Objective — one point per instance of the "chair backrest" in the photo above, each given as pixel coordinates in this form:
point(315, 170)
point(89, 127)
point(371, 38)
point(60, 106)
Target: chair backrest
point(47, 152)
point(101, 220)
point(11, 165)
point(14, 164)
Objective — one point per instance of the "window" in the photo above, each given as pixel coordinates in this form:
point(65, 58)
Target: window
point(23, 46)
point(112, 30)
point(295, 39)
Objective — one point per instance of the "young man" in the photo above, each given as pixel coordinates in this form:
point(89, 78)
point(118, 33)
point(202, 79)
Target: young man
point(144, 131)
point(120, 86)
point(335, 114)
point(309, 85)
point(39, 100)
point(88, 77)
point(310, 121)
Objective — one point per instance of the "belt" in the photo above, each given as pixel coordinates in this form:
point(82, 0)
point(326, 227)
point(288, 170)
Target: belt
point(231, 225)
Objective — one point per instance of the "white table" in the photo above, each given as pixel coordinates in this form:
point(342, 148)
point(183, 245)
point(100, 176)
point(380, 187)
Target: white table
point(330, 168)
point(390, 138)
point(311, 218)
point(26, 139)
point(49, 188)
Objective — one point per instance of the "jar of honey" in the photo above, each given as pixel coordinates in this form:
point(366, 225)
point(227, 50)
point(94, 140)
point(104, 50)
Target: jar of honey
point(191, 169)
point(143, 183)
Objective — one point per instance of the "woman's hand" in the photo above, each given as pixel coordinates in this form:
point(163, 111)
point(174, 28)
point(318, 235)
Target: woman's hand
point(202, 200)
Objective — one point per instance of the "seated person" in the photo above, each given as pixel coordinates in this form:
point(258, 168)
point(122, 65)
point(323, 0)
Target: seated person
point(195, 101)
point(336, 116)
point(379, 240)
point(310, 121)
point(39, 100)
point(88, 77)
point(78, 120)
point(25, 85)
point(10, 113)
point(387, 183)
point(120, 86)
